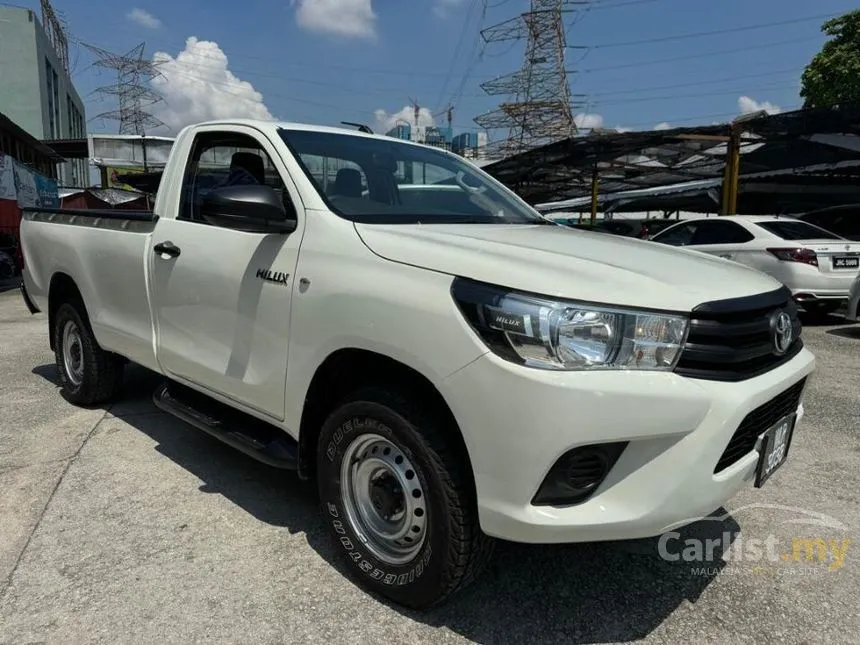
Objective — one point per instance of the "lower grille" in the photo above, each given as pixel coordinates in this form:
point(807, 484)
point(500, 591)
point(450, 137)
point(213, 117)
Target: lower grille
point(733, 340)
point(757, 422)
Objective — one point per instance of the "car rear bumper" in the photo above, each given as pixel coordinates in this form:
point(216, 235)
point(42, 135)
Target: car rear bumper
point(517, 422)
point(807, 283)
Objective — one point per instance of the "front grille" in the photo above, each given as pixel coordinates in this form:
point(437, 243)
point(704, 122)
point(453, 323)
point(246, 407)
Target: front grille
point(733, 340)
point(757, 422)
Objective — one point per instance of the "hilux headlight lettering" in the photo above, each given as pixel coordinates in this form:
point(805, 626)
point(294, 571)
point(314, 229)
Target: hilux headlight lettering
point(545, 333)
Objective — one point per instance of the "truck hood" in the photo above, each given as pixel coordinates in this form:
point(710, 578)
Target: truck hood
point(566, 263)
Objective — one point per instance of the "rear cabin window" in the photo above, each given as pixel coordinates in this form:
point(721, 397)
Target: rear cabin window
point(797, 230)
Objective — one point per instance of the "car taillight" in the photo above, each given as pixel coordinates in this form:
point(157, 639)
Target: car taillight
point(804, 256)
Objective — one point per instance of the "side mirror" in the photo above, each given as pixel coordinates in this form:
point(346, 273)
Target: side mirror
point(254, 208)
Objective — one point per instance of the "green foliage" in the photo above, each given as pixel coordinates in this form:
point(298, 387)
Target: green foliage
point(833, 76)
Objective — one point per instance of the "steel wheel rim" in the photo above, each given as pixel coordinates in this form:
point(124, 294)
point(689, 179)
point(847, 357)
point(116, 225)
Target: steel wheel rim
point(384, 499)
point(73, 353)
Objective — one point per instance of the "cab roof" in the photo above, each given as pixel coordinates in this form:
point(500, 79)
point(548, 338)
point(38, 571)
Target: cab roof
point(305, 127)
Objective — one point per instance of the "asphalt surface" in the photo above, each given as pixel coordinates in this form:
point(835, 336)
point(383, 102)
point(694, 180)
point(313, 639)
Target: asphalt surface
point(125, 526)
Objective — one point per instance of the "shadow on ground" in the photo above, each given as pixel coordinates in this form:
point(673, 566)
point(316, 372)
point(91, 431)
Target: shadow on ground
point(846, 332)
point(587, 593)
point(823, 320)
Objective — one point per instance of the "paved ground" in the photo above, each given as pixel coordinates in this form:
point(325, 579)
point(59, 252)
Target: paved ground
point(124, 526)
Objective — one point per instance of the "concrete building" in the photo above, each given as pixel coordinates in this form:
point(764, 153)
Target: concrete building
point(36, 91)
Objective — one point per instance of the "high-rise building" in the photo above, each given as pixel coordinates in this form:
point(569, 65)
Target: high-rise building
point(36, 90)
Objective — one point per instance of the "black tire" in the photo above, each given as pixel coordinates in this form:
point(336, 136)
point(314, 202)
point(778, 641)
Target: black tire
point(454, 549)
point(101, 372)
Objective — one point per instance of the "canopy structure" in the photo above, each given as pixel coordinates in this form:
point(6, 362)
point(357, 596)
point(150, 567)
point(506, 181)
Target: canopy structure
point(777, 163)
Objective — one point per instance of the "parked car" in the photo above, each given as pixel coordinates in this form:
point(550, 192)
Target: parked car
point(8, 269)
point(841, 220)
point(816, 265)
point(441, 369)
point(641, 228)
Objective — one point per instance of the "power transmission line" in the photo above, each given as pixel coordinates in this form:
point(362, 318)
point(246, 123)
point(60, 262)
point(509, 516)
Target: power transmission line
point(456, 56)
point(130, 90)
point(442, 74)
point(672, 97)
point(713, 81)
point(709, 54)
point(540, 111)
point(715, 32)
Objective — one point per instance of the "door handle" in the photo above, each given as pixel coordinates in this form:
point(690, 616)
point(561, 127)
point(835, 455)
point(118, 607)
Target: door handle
point(167, 248)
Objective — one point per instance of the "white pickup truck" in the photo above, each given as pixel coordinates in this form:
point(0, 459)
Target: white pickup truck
point(449, 366)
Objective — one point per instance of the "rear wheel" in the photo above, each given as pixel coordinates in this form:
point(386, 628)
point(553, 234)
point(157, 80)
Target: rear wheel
point(88, 374)
point(396, 500)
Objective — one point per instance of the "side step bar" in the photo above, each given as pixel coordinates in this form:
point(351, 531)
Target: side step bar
point(255, 438)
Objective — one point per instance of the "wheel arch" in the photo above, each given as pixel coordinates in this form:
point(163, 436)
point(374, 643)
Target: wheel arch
point(345, 371)
point(63, 289)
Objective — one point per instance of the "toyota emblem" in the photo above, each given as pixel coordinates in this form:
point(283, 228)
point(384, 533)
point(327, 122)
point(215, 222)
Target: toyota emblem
point(783, 333)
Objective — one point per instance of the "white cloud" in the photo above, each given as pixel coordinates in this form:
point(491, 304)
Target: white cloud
point(620, 129)
point(387, 120)
point(349, 18)
point(198, 85)
point(143, 18)
point(443, 8)
point(747, 105)
point(663, 126)
point(585, 121)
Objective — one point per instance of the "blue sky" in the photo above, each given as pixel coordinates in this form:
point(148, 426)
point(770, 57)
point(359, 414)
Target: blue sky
point(324, 61)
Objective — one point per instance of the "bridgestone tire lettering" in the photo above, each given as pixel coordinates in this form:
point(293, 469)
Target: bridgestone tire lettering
point(454, 550)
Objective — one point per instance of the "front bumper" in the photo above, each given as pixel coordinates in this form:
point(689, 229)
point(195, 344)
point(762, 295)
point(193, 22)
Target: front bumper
point(518, 421)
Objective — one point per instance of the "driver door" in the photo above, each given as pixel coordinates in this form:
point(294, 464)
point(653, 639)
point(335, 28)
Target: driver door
point(222, 296)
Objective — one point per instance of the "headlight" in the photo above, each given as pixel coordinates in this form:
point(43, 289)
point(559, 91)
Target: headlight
point(567, 335)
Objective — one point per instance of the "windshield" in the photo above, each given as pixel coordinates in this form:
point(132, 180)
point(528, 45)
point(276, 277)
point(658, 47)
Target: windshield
point(797, 230)
point(381, 181)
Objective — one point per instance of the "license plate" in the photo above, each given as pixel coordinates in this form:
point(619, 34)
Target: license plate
point(846, 263)
point(773, 449)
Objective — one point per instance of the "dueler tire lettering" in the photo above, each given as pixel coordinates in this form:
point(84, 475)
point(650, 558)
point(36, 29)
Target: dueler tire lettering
point(454, 549)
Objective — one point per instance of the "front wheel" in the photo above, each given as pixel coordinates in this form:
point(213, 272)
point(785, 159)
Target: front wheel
point(395, 498)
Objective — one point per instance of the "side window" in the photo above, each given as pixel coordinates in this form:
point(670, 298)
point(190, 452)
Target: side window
point(221, 159)
point(679, 235)
point(721, 232)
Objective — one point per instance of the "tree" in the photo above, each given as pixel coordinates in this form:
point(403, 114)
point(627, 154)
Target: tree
point(833, 75)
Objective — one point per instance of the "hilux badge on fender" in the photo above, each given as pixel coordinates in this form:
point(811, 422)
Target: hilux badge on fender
point(273, 276)
point(783, 334)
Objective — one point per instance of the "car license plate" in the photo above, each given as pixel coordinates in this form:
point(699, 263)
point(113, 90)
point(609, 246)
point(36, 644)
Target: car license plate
point(846, 263)
point(774, 449)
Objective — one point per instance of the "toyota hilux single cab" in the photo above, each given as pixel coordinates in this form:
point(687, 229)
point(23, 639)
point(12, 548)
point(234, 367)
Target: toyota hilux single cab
point(448, 365)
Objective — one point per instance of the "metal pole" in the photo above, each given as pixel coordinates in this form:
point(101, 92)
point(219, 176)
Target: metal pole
point(595, 185)
point(731, 177)
point(736, 172)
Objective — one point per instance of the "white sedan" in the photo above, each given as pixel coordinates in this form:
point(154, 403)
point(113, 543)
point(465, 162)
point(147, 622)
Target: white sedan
point(818, 266)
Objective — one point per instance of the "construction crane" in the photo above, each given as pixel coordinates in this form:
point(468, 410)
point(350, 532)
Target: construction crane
point(448, 112)
point(416, 110)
